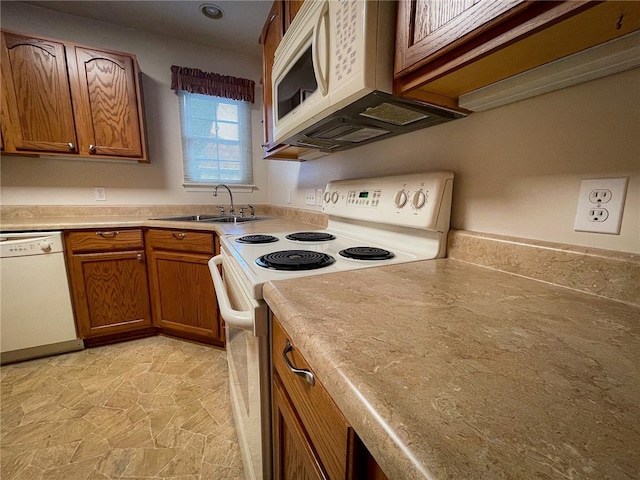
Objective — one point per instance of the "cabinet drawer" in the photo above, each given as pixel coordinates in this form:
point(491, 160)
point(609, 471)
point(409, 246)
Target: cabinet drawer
point(182, 240)
point(324, 424)
point(105, 240)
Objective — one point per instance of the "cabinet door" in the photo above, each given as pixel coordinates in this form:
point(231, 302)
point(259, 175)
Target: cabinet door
point(37, 112)
point(272, 33)
point(429, 28)
point(108, 110)
point(183, 295)
point(294, 458)
point(110, 292)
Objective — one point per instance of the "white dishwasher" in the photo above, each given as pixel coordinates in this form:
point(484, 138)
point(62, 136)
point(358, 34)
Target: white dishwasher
point(36, 316)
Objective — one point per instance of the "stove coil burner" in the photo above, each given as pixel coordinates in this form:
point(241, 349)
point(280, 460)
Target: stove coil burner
point(310, 236)
point(295, 260)
point(256, 239)
point(366, 253)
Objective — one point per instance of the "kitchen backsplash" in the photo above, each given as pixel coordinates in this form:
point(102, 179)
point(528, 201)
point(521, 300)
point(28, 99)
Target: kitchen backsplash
point(43, 211)
point(605, 273)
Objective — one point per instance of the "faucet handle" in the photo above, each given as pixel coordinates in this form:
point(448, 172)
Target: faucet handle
point(221, 208)
point(245, 207)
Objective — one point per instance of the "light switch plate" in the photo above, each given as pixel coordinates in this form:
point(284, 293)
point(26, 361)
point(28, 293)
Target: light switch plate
point(600, 205)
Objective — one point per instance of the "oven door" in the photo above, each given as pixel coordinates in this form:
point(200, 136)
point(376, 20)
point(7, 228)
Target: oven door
point(247, 345)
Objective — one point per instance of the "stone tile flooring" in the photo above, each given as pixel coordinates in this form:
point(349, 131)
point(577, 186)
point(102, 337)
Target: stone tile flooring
point(155, 408)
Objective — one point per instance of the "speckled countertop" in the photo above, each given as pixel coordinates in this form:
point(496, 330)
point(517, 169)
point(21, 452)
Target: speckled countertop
point(19, 219)
point(449, 370)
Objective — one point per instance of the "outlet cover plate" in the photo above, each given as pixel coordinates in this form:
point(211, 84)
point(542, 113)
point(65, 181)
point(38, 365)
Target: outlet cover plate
point(100, 194)
point(310, 197)
point(600, 205)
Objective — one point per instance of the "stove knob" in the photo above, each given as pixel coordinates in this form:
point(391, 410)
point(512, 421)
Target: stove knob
point(419, 199)
point(400, 200)
point(327, 197)
point(45, 246)
point(334, 197)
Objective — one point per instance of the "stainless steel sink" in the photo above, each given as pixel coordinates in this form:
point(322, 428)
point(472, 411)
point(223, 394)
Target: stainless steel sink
point(236, 219)
point(212, 219)
point(190, 218)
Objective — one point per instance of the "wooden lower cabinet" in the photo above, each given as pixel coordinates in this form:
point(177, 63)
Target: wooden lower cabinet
point(109, 284)
point(311, 438)
point(182, 292)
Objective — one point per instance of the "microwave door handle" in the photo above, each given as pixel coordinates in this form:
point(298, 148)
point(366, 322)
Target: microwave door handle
point(321, 76)
point(235, 318)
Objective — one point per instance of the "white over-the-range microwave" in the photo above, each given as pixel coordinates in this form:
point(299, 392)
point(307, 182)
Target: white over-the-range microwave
point(332, 78)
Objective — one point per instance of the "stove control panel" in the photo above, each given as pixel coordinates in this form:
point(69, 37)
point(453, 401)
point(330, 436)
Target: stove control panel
point(364, 198)
point(421, 200)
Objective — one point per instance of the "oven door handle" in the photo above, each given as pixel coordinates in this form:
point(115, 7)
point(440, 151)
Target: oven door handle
point(234, 318)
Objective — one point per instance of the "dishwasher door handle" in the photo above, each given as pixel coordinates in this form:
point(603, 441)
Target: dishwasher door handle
point(234, 318)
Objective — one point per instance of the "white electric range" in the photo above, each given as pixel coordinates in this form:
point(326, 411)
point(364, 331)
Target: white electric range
point(372, 222)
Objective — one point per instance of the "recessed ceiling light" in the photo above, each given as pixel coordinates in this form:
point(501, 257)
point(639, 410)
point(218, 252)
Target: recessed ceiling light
point(212, 11)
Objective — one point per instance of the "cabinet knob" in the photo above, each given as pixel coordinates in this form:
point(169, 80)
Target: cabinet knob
point(139, 257)
point(92, 148)
point(180, 235)
point(72, 147)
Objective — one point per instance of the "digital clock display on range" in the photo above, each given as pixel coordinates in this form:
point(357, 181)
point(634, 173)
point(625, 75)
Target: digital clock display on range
point(363, 195)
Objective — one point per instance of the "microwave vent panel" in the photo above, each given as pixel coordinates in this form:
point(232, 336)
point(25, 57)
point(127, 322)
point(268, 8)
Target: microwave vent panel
point(394, 114)
point(362, 134)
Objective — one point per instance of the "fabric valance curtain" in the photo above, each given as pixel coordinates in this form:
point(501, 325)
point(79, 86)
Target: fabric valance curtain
point(193, 80)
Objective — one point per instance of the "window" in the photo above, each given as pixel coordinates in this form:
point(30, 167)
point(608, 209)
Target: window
point(215, 118)
point(216, 140)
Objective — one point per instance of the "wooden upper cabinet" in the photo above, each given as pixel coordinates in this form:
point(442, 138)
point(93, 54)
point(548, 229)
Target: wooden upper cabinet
point(430, 28)
point(108, 104)
point(280, 17)
point(291, 8)
point(63, 98)
point(39, 115)
point(272, 33)
point(447, 48)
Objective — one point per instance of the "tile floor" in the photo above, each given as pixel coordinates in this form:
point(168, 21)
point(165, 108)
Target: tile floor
point(155, 408)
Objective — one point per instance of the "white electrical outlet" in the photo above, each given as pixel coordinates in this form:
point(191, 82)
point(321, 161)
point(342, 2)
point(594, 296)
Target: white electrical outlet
point(319, 192)
point(600, 205)
point(101, 194)
point(310, 197)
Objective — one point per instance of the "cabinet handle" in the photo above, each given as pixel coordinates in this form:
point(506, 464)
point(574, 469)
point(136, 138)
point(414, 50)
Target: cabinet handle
point(108, 234)
point(180, 235)
point(139, 256)
point(92, 148)
point(306, 374)
point(72, 147)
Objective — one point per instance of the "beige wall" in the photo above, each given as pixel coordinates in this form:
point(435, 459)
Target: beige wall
point(517, 168)
point(33, 181)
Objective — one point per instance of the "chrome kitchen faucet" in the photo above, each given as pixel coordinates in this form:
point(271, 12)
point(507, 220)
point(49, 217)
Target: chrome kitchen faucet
point(215, 194)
